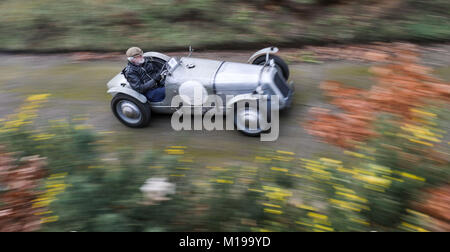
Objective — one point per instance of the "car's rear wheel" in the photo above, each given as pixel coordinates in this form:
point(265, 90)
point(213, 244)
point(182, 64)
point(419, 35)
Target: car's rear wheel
point(250, 120)
point(280, 64)
point(130, 111)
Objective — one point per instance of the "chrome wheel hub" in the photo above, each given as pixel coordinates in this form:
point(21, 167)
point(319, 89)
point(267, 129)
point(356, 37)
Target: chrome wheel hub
point(248, 120)
point(128, 111)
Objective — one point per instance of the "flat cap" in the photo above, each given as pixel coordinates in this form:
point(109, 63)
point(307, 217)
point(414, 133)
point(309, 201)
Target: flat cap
point(134, 51)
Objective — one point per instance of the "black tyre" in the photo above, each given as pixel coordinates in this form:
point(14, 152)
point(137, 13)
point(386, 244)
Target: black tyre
point(279, 63)
point(130, 111)
point(244, 114)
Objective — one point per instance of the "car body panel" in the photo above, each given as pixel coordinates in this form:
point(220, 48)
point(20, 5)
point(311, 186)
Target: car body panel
point(237, 78)
point(201, 70)
point(128, 91)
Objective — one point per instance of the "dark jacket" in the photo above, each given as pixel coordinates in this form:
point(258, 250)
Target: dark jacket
point(144, 77)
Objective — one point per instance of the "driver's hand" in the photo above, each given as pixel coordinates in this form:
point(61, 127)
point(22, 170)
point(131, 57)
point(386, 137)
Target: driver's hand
point(164, 74)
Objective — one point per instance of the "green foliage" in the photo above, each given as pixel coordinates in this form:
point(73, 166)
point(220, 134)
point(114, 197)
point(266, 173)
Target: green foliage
point(372, 188)
point(67, 147)
point(161, 25)
point(399, 164)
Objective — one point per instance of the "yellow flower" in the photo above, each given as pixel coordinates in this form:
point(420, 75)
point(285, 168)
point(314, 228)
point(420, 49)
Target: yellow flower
point(353, 197)
point(271, 205)
point(374, 180)
point(329, 160)
point(278, 195)
point(279, 169)
point(285, 152)
point(355, 154)
point(281, 158)
point(178, 147)
point(341, 169)
point(182, 168)
point(416, 228)
point(255, 190)
point(349, 205)
point(429, 138)
point(309, 208)
point(392, 178)
point(271, 188)
point(58, 175)
point(95, 166)
point(421, 112)
point(304, 224)
point(43, 213)
point(42, 137)
point(177, 175)
point(185, 160)
point(272, 211)
point(175, 151)
point(318, 216)
point(49, 219)
point(309, 161)
point(324, 228)
point(37, 97)
point(420, 142)
point(380, 168)
point(417, 213)
point(156, 167)
point(412, 176)
point(224, 181)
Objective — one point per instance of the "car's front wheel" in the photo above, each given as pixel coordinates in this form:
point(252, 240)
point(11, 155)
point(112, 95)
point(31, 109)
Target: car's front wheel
point(251, 120)
point(130, 111)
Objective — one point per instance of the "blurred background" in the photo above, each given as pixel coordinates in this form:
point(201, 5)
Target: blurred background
point(364, 147)
point(112, 25)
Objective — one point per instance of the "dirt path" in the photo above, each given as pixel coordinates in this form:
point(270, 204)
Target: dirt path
point(78, 87)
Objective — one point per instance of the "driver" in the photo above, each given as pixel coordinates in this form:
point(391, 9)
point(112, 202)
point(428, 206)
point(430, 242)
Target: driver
point(144, 76)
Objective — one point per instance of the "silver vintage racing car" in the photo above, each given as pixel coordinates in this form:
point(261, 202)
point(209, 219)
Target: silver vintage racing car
point(263, 74)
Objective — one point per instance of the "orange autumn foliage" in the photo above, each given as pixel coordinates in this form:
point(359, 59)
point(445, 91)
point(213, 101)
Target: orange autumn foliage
point(19, 182)
point(401, 85)
point(437, 206)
